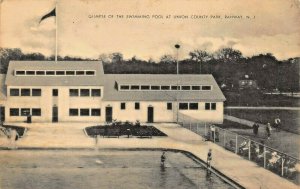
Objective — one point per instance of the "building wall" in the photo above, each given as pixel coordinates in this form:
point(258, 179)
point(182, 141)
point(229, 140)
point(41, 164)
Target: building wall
point(46, 102)
point(202, 115)
point(64, 102)
point(162, 114)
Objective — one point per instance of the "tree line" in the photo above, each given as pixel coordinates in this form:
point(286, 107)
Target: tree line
point(227, 65)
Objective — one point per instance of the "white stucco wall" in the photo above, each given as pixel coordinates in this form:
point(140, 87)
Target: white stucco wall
point(64, 102)
point(161, 114)
point(46, 102)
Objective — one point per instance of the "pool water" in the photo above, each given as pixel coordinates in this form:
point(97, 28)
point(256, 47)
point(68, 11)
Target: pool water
point(47, 169)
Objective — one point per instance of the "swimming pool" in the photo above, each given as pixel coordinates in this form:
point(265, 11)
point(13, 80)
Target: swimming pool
point(102, 169)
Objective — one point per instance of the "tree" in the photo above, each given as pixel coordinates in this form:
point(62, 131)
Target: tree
point(167, 59)
point(228, 55)
point(200, 57)
point(116, 57)
point(33, 56)
point(7, 55)
point(104, 58)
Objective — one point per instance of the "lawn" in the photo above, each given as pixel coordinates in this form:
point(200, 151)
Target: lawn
point(283, 141)
point(256, 98)
point(290, 119)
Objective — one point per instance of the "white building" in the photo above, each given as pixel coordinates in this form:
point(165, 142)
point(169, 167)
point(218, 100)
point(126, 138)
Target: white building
point(79, 91)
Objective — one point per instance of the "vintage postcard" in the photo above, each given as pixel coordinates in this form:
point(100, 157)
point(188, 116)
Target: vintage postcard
point(149, 94)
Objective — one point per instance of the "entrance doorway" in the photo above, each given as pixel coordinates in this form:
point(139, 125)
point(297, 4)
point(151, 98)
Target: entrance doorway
point(150, 114)
point(108, 114)
point(54, 114)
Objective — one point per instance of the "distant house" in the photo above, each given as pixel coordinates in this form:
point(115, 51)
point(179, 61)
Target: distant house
point(247, 83)
point(79, 91)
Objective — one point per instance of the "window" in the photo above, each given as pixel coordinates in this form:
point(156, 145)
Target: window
point(54, 92)
point(137, 105)
point(60, 72)
point(73, 112)
point(30, 72)
point(185, 87)
point(207, 106)
point(213, 106)
point(124, 87)
point(210, 106)
point(193, 106)
point(79, 72)
point(84, 112)
point(36, 92)
point(155, 87)
point(196, 88)
point(165, 87)
point(84, 92)
point(183, 106)
point(20, 72)
point(96, 112)
point(135, 87)
point(96, 92)
point(145, 87)
point(14, 92)
point(36, 112)
point(206, 88)
point(123, 105)
point(14, 112)
point(169, 106)
point(25, 92)
point(50, 72)
point(174, 87)
point(40, 72)
point(25, 111)
point(90, 72)
point(74, 92)
point(70, 72)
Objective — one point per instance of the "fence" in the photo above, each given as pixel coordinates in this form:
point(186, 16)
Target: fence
point(271, 159)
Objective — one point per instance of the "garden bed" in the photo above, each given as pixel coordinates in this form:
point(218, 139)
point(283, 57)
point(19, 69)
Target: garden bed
point(20, 130)
point(123, 129)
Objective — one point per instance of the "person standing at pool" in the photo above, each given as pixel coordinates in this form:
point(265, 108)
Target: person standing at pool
point(209, 158)
point(268, 130)
point(277, 123)
point(162, 159)
point(255, 128)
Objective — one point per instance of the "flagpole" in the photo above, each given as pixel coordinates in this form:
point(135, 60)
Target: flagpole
point(56, 32)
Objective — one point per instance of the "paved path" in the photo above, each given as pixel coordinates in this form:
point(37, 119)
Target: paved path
point(260, 108)
point(246, 173)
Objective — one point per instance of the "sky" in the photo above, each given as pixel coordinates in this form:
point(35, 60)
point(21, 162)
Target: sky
point(88, 28)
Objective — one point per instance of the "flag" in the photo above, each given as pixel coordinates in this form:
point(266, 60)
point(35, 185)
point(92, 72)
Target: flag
point(52, 13)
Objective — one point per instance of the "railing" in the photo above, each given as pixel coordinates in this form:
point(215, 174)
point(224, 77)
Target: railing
point(271, 159)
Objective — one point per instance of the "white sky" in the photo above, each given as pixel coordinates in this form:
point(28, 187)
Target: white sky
point(275, 28)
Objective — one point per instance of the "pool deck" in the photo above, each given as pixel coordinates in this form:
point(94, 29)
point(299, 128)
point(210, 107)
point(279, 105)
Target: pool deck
point(61, 136)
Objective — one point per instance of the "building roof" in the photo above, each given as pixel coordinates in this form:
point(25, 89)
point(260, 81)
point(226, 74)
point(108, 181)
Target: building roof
point(112, 94)
point(163, 79)
point(13, 80)
point(2, 88)
point(109, 81)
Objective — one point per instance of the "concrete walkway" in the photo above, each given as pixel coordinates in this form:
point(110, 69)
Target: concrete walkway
point(71, 135)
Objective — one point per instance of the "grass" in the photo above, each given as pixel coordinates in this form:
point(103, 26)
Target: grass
point(252, 98)
point(290, 119)
point(283, 141)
